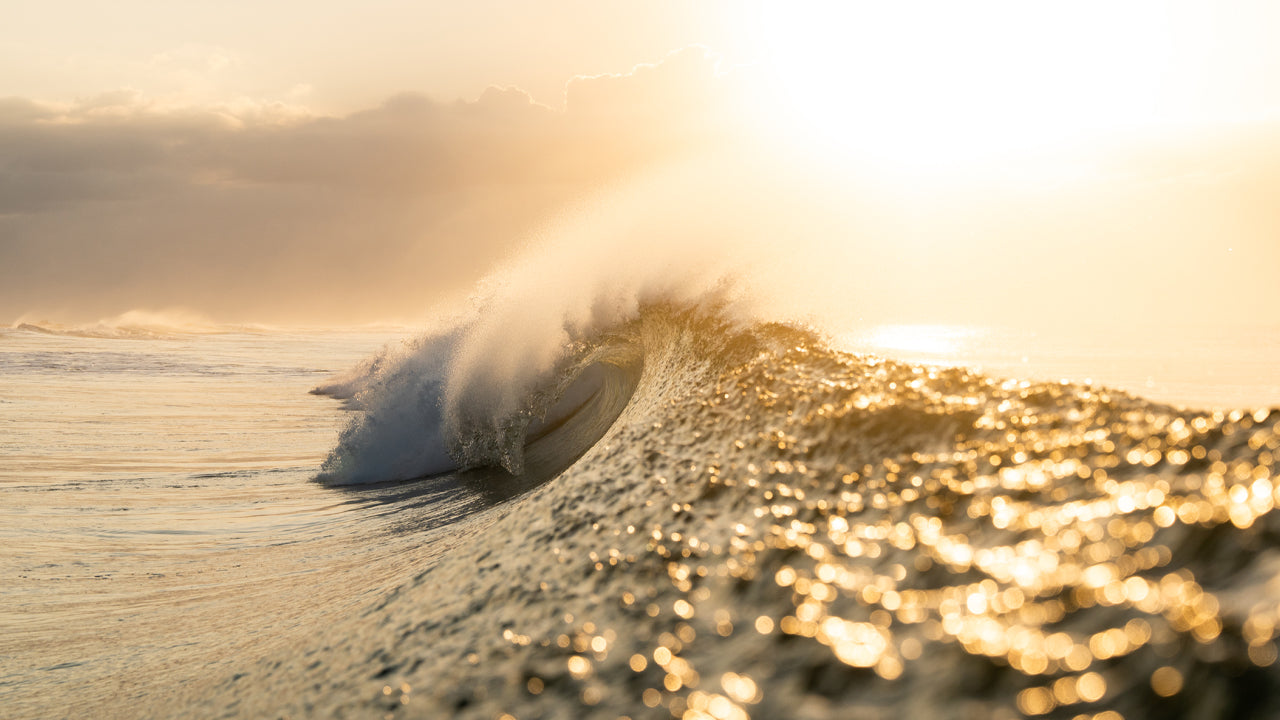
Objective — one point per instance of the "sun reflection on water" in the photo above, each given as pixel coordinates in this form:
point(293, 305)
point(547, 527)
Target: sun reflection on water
point(1041, 540)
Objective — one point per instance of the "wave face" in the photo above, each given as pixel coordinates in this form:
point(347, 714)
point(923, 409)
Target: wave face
point(759, 525)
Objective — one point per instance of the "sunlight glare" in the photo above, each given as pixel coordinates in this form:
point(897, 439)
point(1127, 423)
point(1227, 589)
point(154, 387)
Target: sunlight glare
point(920, 343)
point(931, 84)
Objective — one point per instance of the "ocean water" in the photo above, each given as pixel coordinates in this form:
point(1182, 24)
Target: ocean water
point(665, 510)
point(1222, 367)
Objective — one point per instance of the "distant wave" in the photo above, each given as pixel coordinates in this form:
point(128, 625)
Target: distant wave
point(136, 324)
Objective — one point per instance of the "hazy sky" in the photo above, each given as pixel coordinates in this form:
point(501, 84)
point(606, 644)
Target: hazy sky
point(344, 162)
point(337, 56)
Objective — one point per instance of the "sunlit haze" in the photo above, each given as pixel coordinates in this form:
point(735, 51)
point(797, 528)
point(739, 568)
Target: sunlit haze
point(933, 83)
point(335, 163)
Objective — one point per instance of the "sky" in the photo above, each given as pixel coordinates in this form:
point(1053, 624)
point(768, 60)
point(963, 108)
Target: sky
point(337, 162)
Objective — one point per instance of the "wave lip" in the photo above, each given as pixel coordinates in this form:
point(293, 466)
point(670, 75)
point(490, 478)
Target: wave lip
point(407, 426)
point(398, 432)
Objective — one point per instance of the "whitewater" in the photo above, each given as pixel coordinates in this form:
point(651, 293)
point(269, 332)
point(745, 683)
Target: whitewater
point(638, 478)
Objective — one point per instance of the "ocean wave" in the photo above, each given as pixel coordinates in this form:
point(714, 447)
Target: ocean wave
point(731, 513)
point(767, 523)
point(468, 392)
point(421, 410)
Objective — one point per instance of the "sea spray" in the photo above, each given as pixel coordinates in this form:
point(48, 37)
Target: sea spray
point(474, 387)
point(397, 431)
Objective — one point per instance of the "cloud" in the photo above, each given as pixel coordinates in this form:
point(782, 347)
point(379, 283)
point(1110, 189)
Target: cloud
point(250, 211)
point(689, 79)
point(119, 201)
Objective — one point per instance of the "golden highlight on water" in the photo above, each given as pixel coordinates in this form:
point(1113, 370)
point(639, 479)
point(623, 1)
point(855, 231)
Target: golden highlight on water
point(772, 528)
